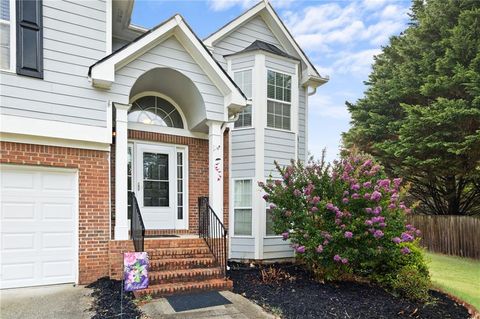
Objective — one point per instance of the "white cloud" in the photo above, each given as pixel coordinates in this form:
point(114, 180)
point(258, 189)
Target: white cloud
point(321, 27)
point(355, 63)
point(323, 106)
point(373, 4)
point(221, 5)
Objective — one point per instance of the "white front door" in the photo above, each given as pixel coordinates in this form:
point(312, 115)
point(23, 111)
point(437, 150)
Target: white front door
point(38, 217)
point(156, 185)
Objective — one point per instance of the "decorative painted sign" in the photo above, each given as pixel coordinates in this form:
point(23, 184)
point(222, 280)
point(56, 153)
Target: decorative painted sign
point(218, 170)
point(135, 271)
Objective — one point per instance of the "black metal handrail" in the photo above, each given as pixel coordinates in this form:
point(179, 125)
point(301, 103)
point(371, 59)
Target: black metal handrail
point(137, 227)
point(212, 230)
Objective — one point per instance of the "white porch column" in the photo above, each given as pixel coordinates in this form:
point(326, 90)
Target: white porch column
point(215, 169)
point(121, 150)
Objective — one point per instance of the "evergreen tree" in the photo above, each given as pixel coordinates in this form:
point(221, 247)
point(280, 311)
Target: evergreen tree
point(420, 115)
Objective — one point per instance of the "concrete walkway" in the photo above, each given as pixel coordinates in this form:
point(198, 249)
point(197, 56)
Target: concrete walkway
point(240, 308)
point(49, 302)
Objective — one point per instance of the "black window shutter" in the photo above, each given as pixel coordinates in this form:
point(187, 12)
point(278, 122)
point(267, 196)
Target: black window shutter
point(29, 38)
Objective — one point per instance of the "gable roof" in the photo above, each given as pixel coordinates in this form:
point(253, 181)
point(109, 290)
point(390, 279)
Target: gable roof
point(102, 73)
point(265, 10)
point(267, 47)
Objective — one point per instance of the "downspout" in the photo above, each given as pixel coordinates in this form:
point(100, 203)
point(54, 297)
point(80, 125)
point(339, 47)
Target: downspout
point(236, 116)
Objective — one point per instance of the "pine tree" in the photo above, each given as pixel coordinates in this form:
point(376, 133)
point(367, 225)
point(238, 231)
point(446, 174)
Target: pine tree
point(420, 114)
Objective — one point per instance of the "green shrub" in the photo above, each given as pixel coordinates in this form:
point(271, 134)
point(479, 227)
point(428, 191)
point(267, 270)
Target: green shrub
point(347, 220)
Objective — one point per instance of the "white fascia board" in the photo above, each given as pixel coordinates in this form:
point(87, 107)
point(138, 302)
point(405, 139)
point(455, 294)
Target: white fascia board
point(211, 39)
point(57, 130)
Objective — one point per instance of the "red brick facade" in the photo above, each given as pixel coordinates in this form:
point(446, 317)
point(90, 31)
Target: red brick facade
point(99, 255)
point(94, 215)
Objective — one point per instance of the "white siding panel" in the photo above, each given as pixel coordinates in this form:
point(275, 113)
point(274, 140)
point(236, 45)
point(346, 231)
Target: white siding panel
point(281, 65)
point(243, 153)
point(302, 125)
point(276, 247)
point(280, 147)
point(242, 37)
point(74, 38)
point(242, 248)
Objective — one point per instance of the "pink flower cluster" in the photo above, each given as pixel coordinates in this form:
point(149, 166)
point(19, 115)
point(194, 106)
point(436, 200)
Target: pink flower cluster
point(339, 259)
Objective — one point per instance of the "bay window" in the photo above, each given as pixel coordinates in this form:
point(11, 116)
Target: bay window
point(242, 208)
point(279, 93)
point(244, 81)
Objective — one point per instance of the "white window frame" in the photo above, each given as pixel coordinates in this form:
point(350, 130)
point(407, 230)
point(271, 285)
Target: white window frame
point(280, 101)
point(234, 208)
point(182, 223)
point(13, 40)
point(250, 98)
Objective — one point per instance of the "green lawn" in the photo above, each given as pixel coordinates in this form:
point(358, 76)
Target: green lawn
point(457, 276)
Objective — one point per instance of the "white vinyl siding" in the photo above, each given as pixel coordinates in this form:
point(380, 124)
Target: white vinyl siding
point(279, 95)
point(243, 153)
point(244, 81)
point(280, 147)
point(246, 34)
point(242, 212)
point(74, 36)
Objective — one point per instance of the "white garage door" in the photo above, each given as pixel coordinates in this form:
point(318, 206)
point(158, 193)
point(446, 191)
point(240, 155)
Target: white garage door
point(38, 242)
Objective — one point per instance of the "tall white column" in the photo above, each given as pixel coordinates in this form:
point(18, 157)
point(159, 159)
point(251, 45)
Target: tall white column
point(215, 169)
point(121, 161)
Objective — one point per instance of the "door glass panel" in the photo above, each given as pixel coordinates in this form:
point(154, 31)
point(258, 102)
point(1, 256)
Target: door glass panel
point(155, 180)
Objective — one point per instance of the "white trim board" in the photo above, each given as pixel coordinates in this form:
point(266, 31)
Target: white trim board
point(58, 130)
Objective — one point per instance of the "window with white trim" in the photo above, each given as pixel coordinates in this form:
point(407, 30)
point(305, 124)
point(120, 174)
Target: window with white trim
point(5, 34)
point(279, 94)
point(244, 81)
point(269, 223)
point(154, 110)
point(180, 185)
point(242, 208)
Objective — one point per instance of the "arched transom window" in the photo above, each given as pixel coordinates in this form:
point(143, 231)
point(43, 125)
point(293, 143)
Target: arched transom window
point(154, 110)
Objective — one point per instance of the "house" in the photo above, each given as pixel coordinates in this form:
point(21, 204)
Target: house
point(114, 138)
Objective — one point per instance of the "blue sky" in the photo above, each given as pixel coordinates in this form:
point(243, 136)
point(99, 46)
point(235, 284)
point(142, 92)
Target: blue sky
point(340, 38)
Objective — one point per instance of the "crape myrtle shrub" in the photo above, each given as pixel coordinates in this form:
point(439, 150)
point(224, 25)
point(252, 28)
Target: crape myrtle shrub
point(348, 221)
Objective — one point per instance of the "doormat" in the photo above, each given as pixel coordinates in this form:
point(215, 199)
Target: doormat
point(197, 301)
point(161, 236)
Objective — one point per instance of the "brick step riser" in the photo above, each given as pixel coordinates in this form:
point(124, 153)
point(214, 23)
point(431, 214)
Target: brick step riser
point(192, 246)
point(172, 266)
point(155, 280)
point(179, 256)
point(174, 244)
point(158, 292)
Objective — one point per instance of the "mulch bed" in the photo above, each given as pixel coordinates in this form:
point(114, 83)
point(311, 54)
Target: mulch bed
point(107, 300)
point(300, 296)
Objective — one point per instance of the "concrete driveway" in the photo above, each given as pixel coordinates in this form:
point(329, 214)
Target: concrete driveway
point(52, 302)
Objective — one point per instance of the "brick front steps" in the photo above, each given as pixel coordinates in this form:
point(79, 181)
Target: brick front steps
point(181, 265)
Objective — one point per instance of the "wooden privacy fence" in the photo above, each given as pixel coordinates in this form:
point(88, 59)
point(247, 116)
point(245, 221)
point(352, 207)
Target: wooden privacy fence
point(452, 235)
